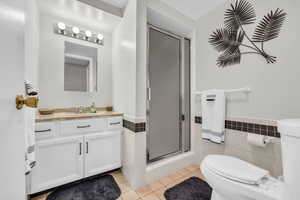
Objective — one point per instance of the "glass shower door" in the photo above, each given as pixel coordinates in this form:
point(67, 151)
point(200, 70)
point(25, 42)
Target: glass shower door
point(164, 95)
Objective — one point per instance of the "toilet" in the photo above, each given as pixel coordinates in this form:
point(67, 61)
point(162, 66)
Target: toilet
point(234, 179)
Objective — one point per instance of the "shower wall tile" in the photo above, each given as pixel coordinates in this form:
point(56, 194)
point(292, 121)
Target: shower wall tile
point(134, 127)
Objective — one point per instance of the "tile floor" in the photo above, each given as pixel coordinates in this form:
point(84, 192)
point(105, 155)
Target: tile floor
point(153, 191)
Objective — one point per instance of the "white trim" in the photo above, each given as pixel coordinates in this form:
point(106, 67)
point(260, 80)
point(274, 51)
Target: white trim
point(193, 129)
point(169, 165)
point(90, 69)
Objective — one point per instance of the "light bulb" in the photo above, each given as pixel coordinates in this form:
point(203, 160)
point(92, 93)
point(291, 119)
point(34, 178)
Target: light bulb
point(88, 33)
point(75, 30)
point(100, 36)
point(61, 26)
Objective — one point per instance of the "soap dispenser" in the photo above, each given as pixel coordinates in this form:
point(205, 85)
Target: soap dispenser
point(93, 108)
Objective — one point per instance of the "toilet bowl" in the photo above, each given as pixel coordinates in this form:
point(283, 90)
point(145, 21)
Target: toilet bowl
point(234, 179)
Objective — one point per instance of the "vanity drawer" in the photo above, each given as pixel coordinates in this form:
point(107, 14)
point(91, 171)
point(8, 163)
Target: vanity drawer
point(45, 130)
point(115, 123)
point(72, 127)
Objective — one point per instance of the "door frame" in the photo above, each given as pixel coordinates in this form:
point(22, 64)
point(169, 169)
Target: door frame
point(181, 93)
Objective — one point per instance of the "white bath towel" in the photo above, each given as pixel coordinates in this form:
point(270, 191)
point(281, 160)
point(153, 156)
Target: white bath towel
point(213, 103)
point(29, 130)
point(29, 139)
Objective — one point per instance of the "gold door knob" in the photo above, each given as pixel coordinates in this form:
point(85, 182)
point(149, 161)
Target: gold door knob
point(31, 102)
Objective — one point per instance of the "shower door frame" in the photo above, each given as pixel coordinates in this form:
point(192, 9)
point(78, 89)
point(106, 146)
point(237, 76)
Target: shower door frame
point(181, 94)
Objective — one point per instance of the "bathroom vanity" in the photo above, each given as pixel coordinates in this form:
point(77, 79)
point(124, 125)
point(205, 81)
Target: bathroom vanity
point(73, 146)
point(75, 69)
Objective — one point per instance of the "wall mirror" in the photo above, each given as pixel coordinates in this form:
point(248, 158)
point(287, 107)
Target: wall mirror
point(80, 68)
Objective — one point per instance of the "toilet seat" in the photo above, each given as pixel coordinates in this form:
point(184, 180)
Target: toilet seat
point(235, 169)
point(233, 186)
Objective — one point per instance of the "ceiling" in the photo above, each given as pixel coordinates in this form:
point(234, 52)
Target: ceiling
point(81, 12)
point(193, 9)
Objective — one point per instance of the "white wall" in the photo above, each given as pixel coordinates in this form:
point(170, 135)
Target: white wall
point(51, 73)
point(124, 62)
point(32, 43)
point(129, 86)
point(141, 69)
point(129, 61)
point(274, 87)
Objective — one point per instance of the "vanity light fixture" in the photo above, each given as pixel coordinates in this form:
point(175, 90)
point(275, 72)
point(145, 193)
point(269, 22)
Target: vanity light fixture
point(61, 27)
point(75, 32)
point(100, 38)
point(88, 34)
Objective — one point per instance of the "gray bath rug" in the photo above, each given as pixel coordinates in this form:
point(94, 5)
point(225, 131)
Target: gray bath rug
point(190, 189)
point(99, 188)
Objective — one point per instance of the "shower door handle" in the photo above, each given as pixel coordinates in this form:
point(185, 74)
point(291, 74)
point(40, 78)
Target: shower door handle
point(149, 94)
point(182, 117)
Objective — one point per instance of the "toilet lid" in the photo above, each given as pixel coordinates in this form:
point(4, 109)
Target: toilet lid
point(235, 169)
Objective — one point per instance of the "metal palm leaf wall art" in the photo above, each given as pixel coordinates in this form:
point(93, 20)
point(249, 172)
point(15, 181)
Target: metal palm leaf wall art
point(230, 39)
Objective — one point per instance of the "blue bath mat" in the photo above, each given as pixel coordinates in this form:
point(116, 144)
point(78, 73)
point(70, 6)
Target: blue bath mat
point(190, 189)
point(100, 188)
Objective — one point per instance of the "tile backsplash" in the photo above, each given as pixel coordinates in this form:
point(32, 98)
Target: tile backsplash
point(249, 126)
point(236, 143)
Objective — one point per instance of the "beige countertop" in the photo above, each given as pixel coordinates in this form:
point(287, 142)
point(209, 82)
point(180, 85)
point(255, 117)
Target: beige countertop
point(73, 115)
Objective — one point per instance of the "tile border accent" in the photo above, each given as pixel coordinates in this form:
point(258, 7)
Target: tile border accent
point(134, 127)
point(260, 129)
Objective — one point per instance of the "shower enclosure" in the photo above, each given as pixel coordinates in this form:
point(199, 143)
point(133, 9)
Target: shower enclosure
point(168, 89)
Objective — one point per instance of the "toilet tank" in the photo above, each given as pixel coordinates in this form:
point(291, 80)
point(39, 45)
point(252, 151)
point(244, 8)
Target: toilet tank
point(290, 146)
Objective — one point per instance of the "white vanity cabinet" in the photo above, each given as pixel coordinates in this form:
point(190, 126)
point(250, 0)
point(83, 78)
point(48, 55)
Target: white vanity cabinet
point(102, 152)
point(75, 149)
point(58, 162)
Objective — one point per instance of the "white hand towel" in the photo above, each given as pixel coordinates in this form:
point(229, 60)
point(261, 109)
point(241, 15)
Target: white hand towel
point(213, 104)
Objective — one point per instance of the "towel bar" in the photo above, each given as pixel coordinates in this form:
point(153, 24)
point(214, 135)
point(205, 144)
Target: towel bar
point(245, 90)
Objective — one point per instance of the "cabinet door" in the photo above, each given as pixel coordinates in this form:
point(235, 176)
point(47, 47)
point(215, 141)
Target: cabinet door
point(59, 161)
point(102, 152)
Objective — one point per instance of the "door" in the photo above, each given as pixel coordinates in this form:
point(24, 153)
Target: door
point(12, 171)
point(59, 161)
point(164, 114)
point(102, 152)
